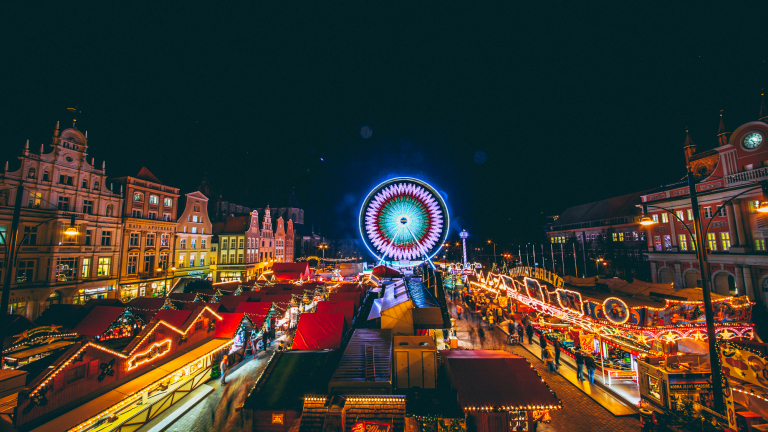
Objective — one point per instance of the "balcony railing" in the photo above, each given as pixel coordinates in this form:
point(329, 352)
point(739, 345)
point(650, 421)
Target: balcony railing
point(750, 176)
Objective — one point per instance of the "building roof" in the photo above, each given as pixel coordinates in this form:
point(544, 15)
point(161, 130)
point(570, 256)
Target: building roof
point(621, 206)
point(289, 377)
point(347, 307)
point(98, 320)
point(492, 379)
point(231, 302)
point(175, 318)
point(228, 325)
point(367, 360)
point(319, 331)
point(340, 296)
point(233, 225)
point(256, 311)
point(145, 174)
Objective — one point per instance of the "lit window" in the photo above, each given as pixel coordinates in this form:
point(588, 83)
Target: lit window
point(664, 218)
point(202, 244)
point(35, 199)
point(655, 218)
point(104, 266)
point(690, 214)
point(760, 244)
point(667, 242)
point(153, 199)
point(194, 218)
point(621, 237)
point(683, 242)
point(138, 196)
point(657, 242)
point(725, 240)
point(708, 212)
point(194, 230)
point(85, 269)
point(164, 240)
point(194, 243)
point(679, 214)
point(712, 241)
point(183, 244)
point(167, 202)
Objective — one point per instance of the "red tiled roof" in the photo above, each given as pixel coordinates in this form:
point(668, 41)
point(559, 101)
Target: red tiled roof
point(347, 307)
point(319, 331)
point(489, 378)
point(98, 321)
point(227, 325)
point(175, 318)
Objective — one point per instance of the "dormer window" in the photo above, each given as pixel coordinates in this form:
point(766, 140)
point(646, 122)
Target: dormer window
point(153, 199)
point(31, 173)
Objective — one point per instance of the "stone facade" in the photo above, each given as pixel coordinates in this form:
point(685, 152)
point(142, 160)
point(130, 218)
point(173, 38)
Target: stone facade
point(194, 231)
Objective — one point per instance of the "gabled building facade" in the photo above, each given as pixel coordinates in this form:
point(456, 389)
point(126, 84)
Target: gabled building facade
point(193, 244)
point(52, 267)
point(148, 237)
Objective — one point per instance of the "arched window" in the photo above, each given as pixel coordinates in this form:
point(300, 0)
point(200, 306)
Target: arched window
point(109, 210)
point(31, 173)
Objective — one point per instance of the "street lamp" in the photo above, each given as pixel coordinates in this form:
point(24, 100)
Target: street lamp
point(323, 247)
point(597, 265)
point(494, 250)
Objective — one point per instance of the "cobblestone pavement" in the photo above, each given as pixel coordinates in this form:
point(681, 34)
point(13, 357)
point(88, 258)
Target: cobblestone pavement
point(579, 413)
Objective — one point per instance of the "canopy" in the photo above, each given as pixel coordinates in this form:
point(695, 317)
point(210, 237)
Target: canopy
point(98, 321)
point(231, 302)
point(291, 271)
point(383, 271)
point(256, 311)
point(341, 296)
point(319, 331)
point(347, 307)
point(176, 318)
point(228, 325)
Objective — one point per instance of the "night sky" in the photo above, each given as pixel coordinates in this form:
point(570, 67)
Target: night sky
point(513, 111)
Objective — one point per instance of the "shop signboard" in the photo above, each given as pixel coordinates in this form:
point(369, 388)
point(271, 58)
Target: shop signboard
point(371, 427)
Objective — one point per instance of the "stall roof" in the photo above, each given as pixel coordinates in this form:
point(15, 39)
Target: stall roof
point(256, 311)
point(375, 310)
point(40, 349)
point(227, 325)
point(341, 296)
point(92, 303)
point(289, 377)
point(231, 303)
point(98, 320)
point(65, 315)
point(176, 318)
point(383, 271)
point(184, 297)
point(319, 331)
point(280, 300)
point(145, 307)
point(367, 361)
point(347, 307)
point(494, 379)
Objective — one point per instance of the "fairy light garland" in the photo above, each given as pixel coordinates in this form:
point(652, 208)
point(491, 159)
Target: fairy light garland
point(32, 341)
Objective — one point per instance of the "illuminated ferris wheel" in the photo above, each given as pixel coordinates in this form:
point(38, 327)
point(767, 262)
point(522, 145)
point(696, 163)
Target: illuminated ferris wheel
point(404, 219)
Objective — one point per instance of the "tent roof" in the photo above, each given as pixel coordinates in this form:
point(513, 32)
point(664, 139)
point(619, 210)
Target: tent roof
point(347, 307)
point(256, 311)
point(231, 303)
point(485, 378)
point(98, 320)
point(175, 318)
point(228, 324)
point(383, 271)
point(337, 296)
point(319, 331)
point(301, 267)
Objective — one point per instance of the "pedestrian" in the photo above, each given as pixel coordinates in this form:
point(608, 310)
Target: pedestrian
point(529, 332)
point(542, 344)
point(458, 311)
point(520, 331)
point(511, 326)
point(280, 346)
point(579, 365)
point(589, 361)
point(549, 358)
point(490, 322)
point(223, 367)
point(498, 311)
point(481, 333)
point(556, 348)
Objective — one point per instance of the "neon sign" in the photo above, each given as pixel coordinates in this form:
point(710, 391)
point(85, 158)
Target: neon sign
point(156, 350)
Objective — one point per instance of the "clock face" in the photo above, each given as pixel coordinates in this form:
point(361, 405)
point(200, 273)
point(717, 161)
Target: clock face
point(752, 141)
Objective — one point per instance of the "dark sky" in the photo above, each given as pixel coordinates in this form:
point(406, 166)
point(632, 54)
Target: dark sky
point(570, 103)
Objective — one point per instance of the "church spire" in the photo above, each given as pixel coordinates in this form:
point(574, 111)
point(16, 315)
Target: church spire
point(688, 146)
point(763, 116)
point(722, 135)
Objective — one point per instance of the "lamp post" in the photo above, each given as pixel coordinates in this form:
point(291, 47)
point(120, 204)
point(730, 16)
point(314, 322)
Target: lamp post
point(701, 254)
point(494, 250)
point(597, 266)
point(323, 247)
point(172, 269)
point(464, 234)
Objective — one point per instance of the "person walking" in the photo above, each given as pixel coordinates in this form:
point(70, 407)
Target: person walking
point(549, 357)
point(490, 321)
point(520, 331)
point(542, 344)
point(529, 332)
point(223, 368)
point(589, 361)
point(579, 365)
point(556, 348)
point(458, 311)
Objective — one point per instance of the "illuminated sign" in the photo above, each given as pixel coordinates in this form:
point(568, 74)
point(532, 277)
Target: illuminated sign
point(371, 427)
point(277, 418)
point(156, 350)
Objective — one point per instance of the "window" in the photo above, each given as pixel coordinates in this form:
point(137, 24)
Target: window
point(104, 266)
point(25, 271)
point(46, 176)
point(65, 269)
point(194, 230)
point(721, 212)
point(725, 240)
point(202, 244)
point(149, 263)
point(760, 244)
point(693, 244)
point(63, 203)
point(231, 258)
point(202, 259)
point(181, 261)
point(193, 242)
point(664, 218)
point(655, 219)
point(151, 240)
point(134, 239)
point(667, 242)
point(3, 233)
point(106, 239)
point(635, 236)
point(75, 374)
point(679, 214)
point(138, 196)
point(35, 199)
point(242, 243)
point(615, 236)
point(708, 212)
point(621, 238)
point(223, 258)
point(712, 242)
point(85, 269)
point(136, 213)
point(657, 242)
point(262, 243)
point(224, 244)
point(87, 237)
point(192, 260)
point(17, 308)
point(240, 258)
point(167, 202)
point(84, 185)
point(153, 199)
point(31, 173)
point(65, 180)
point(163, 261)
point(683, 241)
point(30, 236)
point(203, 230)
point(690, 214)
point(87, 206)
point(152, 215)
point(166, 216)
point(95, 185)
point(198, 325)
point(185, 229)
point(163, 239)
point(183, 244)
point(194, 218)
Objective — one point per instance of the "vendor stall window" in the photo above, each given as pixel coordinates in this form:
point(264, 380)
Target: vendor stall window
point(75, 374)
point(654, 387)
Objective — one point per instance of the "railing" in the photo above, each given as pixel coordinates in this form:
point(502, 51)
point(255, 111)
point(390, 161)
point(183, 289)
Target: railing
point(754, 175)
